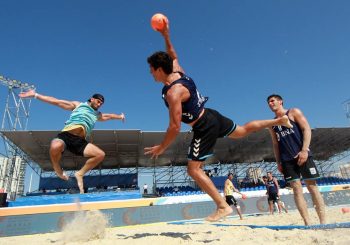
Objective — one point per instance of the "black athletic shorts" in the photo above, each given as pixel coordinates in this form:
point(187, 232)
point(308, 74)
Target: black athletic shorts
point(273, 197)
point(292, 171)
point(231, 201)
point(211, 126)
point(73, 143)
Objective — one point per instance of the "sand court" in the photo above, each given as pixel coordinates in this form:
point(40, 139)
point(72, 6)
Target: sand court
point(84, 230)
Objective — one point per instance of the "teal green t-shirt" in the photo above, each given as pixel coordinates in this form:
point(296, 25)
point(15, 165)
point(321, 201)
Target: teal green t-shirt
point(83, 115)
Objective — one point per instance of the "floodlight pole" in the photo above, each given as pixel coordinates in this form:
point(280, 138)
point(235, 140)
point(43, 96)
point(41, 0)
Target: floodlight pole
point(15, 117)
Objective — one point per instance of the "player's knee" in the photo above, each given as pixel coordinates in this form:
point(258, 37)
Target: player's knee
point(56, 147)
point(297, 190)
point(312, 188)
point(190, 171)
point(193, 172)
point(101, 155)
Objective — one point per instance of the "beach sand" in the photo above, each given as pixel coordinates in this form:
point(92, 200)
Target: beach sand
point(90, 230)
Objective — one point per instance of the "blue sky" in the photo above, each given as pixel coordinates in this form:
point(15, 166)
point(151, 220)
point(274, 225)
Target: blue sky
point(238, 52)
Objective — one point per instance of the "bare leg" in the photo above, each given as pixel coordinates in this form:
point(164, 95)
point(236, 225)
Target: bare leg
point(56, 149)
point(271, 207)
point(283, 206)
point(317, 200)
point(96, 156)
point(300, 201)
point(253, 126)
point(279, 207)
point(195, 171)
point(239, 213)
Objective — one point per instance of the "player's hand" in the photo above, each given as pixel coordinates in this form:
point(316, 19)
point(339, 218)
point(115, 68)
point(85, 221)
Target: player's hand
point(122, 117)
point(165, 30)
point(279, 167)
point(302, 157)
point(154, 151)
point(27, 94)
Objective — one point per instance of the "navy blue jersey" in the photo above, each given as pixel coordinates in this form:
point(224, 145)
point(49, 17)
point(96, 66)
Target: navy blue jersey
point(290, 141)
point(271, 187)
point(191, 108)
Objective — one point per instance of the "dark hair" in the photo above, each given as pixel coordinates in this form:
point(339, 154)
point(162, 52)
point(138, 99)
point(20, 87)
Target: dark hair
point(264, 177)
point(279, 97)
point(269, 172)
point(230, 174)
point(98, 96)
point(161, 59)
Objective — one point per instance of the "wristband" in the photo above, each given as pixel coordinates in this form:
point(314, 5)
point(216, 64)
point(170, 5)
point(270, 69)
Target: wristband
point(35, 95)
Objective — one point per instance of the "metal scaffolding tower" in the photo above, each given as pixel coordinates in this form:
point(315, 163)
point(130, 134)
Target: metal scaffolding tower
point(13, 161)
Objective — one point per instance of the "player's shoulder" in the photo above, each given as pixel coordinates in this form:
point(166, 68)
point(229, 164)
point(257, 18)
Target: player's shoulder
point(295, 111)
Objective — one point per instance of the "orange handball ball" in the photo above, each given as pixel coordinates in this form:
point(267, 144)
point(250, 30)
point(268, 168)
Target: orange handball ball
point(158, 21)
point(244, 196)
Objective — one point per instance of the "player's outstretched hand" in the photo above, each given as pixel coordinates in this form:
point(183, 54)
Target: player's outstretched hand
point(27, 94)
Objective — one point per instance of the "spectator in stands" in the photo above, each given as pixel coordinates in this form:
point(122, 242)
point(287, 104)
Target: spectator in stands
point(294, 158)
point(145, 189)
point(186, 104)
point(73, 136)
point(228, 192)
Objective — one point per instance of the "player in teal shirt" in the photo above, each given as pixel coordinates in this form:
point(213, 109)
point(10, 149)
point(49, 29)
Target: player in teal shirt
point(77, 128)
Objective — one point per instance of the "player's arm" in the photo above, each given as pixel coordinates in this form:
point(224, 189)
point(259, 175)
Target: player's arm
point(301, 120)
point(236, 190)
point(111, 116)
point(174, 96)
point(64, 104)
point(276, 149)
point(170, 49)
point(226, 187)
point(277, 186)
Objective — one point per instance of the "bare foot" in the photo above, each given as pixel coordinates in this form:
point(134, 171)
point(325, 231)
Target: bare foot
point(219, 214)
point(285, 122)
point(63, 176)
point(80, 182)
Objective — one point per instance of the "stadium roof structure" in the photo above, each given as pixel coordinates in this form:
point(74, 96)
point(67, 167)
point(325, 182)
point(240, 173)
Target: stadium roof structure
point(125, 148)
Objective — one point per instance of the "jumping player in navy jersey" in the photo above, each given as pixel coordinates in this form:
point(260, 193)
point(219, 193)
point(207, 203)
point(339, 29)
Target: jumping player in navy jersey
point(186, 104)
point(294, 158)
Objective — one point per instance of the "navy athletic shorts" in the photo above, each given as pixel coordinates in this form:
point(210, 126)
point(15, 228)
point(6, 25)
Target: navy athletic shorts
point(292, 171)
point(211, 126)
point(273, 197)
